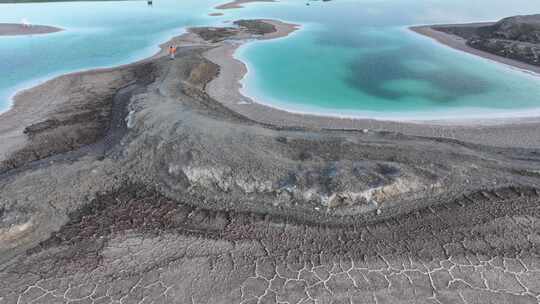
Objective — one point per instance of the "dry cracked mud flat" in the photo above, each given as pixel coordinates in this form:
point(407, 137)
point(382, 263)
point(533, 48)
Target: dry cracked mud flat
point(169, 196)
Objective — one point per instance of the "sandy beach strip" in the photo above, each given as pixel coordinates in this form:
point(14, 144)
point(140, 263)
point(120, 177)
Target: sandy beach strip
point(15, 29)
point(238, 4)
point(460, 44)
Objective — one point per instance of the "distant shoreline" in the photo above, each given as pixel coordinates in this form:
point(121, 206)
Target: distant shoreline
point(45, 1)
point(460, 44)
point(238, 4)
point(16, 29)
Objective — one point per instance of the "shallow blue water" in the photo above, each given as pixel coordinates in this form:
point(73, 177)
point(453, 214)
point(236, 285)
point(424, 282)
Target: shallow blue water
point(352, 57)
point(98, 34)
point(357, 58)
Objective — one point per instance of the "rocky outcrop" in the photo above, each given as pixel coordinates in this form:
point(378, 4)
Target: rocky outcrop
point(249, 27)
point(516, 38)
point(519, 28)
point(256, 27)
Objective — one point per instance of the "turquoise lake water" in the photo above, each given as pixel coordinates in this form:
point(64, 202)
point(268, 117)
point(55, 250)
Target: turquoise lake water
point(351, 58)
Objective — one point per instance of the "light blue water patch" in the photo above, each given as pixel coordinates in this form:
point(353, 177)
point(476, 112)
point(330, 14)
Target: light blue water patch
point(97, 34)
point(404, 77)
point(351, 58)
point(366, 63)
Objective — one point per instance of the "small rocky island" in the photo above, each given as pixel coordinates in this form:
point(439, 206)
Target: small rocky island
point(15, 29)
point(516, 38)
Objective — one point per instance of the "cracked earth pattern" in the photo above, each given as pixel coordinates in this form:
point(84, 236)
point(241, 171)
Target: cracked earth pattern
point(147, 249)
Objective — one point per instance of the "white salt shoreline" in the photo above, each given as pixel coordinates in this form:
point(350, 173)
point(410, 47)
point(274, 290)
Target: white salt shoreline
point(229, 88)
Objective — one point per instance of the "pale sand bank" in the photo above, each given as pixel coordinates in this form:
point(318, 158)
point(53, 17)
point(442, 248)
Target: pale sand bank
point(15, 29)
point(239, 3)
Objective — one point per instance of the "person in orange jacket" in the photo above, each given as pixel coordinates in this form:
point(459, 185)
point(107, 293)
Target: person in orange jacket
point(172, 52)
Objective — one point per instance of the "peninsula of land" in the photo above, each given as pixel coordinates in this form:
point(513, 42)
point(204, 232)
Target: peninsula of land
point(514, 41)
point(16, 29)
point(45, 1)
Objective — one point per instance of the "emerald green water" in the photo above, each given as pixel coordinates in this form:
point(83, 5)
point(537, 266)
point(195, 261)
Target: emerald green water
point(350, 58)
point(357, 58)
